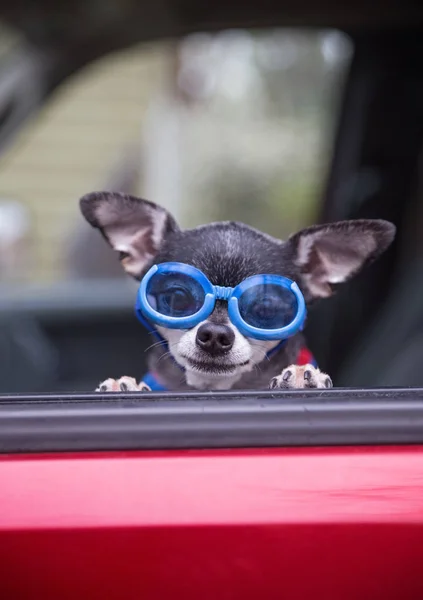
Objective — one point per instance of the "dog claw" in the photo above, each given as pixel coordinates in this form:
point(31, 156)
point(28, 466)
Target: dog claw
point(287, 375)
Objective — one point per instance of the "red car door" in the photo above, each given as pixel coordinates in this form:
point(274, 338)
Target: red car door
point(273, 496)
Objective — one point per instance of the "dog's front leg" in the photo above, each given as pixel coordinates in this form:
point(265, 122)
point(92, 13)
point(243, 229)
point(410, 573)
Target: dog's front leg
point(297, 377)
point(124, 384)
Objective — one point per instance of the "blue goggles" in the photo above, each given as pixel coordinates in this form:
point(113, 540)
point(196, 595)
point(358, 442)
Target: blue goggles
point(179, 296)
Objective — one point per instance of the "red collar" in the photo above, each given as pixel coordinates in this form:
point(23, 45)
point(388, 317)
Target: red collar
point(305, 357)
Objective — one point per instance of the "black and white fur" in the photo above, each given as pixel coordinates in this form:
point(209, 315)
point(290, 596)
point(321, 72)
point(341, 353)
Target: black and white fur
point(214, 355)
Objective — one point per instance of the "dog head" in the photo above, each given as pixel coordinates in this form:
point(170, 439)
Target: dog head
point(214, 353)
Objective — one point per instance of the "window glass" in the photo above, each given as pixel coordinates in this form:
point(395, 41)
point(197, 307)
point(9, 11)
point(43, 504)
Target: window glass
point(235, 125)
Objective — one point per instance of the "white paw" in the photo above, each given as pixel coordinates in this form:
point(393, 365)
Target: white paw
point(297, 377)
point(124, 384)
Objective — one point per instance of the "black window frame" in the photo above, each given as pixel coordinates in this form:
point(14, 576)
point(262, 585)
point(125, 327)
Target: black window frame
point(93, 422)
point(156, 421)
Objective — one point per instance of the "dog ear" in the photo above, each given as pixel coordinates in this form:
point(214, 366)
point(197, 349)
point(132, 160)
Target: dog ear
point(133, 227)
point(331, 254)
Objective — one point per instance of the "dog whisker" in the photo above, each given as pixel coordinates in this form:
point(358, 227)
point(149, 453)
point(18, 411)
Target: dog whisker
point(159, 343)
point(163, 356)
point(263, 350)
point(259, 346)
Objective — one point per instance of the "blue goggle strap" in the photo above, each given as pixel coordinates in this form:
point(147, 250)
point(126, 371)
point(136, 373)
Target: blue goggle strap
point(150, 328)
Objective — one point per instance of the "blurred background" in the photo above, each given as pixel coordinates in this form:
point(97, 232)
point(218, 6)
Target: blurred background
point(236, 123)
point(233, 125)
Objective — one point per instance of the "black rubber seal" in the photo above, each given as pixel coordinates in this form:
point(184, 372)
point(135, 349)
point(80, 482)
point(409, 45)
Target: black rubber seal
point(91, 422)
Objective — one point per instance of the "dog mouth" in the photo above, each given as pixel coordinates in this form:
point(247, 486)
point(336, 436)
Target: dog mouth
point(212, 367)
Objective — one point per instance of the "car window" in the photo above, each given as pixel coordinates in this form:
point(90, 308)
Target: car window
point(236, 125)
point(233, 125)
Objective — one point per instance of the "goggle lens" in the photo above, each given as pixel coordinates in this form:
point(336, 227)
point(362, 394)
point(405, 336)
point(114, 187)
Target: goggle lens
point(268, 306)
point(175, 294)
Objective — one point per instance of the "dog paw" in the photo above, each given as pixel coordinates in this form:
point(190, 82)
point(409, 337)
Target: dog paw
point(124, 384)
point(301, 377)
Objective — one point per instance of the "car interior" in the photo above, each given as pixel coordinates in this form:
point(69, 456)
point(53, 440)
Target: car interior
point(66, 337)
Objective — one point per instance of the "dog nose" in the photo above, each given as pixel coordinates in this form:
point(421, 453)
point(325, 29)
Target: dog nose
point(215, 339)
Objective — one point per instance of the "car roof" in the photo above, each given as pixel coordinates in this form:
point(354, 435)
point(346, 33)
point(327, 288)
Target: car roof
point(118, 23)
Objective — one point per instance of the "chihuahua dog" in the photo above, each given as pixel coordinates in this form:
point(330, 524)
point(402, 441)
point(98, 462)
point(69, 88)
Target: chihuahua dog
point(230, 346)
